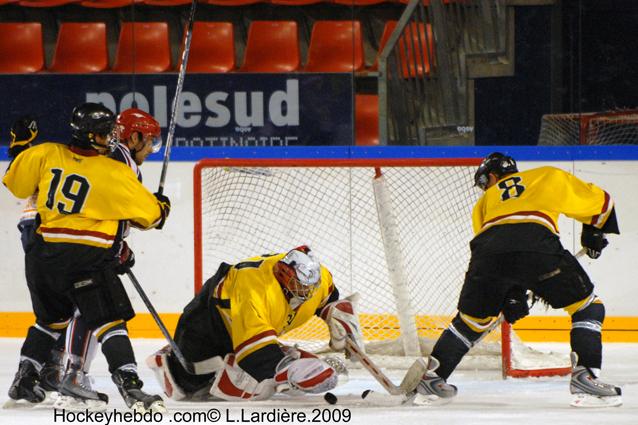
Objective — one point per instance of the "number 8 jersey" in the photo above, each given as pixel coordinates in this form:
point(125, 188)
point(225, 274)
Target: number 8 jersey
point(535, 197)
point(81, 195)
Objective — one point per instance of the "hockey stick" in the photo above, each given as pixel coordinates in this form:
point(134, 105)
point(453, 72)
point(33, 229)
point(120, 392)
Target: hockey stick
point(178, 92)
point(188, 366)
point(415, 372)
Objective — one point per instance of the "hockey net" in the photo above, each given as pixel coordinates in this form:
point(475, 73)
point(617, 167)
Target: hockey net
point(602, 128)
point(395, 231)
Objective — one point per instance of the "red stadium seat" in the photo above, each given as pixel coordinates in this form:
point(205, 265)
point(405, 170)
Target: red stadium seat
point(21, 48)
point(232, 2)
point(212, 47)
point(166, 2)
point(143, 47)
point(45, 3)
point(295, 2)
point(416, 37)
point(359, 2)
point(272, 46)
point(108, 4)
point(81, 48)
point(335, 46)
point(366, 119)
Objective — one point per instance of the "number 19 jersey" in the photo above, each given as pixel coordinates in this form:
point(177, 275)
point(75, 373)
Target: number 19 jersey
point(81, 196)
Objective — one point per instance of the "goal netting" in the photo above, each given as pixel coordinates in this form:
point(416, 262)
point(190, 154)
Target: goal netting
point(602, 128)
point(395, 231)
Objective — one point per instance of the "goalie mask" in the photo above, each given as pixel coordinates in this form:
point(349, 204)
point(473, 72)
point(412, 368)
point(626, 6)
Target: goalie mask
point(495, 163)
point(299, 273)
point(137, 121)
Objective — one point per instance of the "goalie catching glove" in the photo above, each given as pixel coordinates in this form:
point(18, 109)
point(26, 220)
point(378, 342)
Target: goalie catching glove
point(343, 321)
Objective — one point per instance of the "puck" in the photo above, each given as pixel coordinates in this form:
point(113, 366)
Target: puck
point(330, 398)
point(365, 393)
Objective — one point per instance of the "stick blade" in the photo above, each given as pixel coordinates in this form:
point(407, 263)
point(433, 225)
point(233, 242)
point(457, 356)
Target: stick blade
point(413, 376)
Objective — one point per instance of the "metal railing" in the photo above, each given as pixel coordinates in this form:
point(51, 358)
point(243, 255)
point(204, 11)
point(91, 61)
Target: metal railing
point(422, 72)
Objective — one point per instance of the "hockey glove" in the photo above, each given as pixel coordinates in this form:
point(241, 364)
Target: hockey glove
point(343, 321)
point(515, 306)
point(125, 259)
point(23, 132)
point(593, 240)
point(165, 208)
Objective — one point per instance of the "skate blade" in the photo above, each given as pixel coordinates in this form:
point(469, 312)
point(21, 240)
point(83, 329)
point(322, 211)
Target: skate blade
point(50, 398)
point(19, 404)
point(589, 401)
point(156, 406)
point(75, 404)
point(430, 400)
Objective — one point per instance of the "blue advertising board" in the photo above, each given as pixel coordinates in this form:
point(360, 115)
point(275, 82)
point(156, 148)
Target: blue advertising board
point(222, 110)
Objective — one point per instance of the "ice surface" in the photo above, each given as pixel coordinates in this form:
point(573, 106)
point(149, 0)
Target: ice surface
point(484, 398)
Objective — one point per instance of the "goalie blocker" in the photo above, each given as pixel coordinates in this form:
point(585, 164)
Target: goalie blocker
point(229, 331)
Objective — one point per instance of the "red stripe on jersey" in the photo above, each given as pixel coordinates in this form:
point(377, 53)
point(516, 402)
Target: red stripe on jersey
point(603, 211)
point(317, 379)
point(536, 213)
point(77, 232)
point(255, 339)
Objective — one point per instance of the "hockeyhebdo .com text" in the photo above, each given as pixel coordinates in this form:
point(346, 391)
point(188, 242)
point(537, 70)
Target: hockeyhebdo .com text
point(213, 415)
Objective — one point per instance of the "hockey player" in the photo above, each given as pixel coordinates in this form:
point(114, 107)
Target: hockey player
point(230, 331)
point(517, 248)
point(138, 134)
point(82, 196)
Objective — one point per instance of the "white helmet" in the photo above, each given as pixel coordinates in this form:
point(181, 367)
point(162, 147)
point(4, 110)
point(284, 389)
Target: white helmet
point(299, 273)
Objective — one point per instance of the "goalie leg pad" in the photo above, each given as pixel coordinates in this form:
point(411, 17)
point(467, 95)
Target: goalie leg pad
point(309, 375)
point(158, 363)
point(233, 383)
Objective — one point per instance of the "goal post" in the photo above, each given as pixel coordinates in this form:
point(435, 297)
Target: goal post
point(395, 230)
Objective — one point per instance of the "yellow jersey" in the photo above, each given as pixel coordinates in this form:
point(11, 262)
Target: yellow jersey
point(80, 196)
point(539, 196)
point(255, 309)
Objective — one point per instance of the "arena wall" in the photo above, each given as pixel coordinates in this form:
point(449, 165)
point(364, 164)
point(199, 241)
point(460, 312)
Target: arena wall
point(165, 258)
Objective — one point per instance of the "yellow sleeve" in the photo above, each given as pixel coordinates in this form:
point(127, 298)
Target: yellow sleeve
point(128, 199)
point(23, 175)
point(250, 328)
point(584, 201)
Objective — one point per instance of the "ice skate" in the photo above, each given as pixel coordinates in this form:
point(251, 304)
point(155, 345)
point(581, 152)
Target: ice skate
point(26, 385)
point(589, 391)
point(433, 390)
point(76, 392)
point(130, 387)
point(51, 376)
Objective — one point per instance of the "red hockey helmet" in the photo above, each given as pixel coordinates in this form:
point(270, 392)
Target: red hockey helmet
point(135, 120)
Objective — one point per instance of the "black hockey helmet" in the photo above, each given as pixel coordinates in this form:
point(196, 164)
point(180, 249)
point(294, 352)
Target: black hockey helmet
point(89, 120)
point(495, 163)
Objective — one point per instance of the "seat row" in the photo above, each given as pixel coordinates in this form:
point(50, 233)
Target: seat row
point(108, 4)
point(144, 47)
